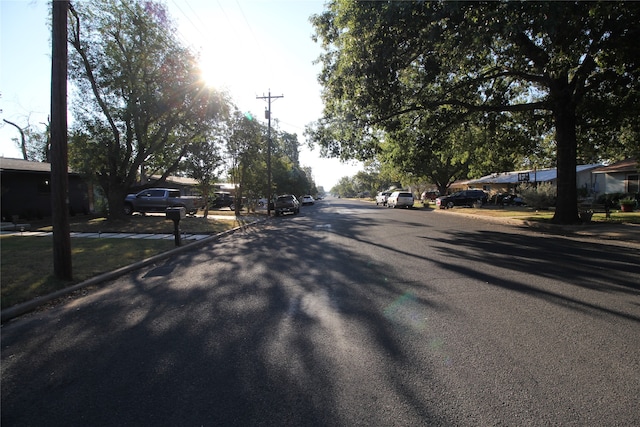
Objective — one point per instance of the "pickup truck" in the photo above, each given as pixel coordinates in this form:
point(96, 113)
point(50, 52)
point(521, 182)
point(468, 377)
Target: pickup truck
point(286, 203)
point(158, 200)
point(223, 200)
point(381, 198)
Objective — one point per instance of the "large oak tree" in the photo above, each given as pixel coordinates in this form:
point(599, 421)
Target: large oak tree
point(140, 103)
point(561, 63)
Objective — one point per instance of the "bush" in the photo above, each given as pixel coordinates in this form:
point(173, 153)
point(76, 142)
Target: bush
point(540, 197)
point(614, 198)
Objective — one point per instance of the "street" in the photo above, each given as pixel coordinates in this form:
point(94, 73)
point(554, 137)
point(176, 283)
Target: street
point(346, 314)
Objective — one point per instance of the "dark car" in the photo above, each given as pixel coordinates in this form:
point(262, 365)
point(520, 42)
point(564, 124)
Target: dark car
point(472, 198)
point(287, 203)
point(222, 200)
point(429, 196)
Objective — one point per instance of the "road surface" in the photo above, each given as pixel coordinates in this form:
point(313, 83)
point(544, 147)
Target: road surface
point(346, 314)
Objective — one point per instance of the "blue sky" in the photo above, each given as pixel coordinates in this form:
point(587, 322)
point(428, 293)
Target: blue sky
point(248, 47)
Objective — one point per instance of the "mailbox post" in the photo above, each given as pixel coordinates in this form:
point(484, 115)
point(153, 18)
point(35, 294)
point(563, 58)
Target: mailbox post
point(176, 214)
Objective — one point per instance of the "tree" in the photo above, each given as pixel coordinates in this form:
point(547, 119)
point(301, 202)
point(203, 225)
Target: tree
point(203, 163)
point(23, 140)
point(289, 177)
point(385, 60)
point(33, 144)
point(344, 187)
point(140, 101)
point(245, 146)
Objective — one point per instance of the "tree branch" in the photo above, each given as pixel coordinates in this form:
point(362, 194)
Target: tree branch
point(23, 142)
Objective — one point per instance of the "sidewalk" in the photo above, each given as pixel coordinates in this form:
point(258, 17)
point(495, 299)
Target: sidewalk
point(147, 236)
point(24, 229)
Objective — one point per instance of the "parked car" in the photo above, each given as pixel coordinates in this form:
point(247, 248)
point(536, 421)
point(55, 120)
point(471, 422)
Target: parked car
point(287, 203)
point(221, 200)
point(429, 196)
point(472, 198)
point(158, 200)
point(307, 200)
point(400, 199)
point(509, 199)
point(381, 198)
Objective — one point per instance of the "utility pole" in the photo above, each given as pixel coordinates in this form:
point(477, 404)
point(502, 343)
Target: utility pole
point(268, 116)
point(59, 158)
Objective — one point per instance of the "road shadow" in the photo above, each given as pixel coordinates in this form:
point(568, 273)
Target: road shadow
point(270, 327)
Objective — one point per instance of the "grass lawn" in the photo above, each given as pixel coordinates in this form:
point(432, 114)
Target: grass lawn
point(26, 263)
point(530, 214)
point(151, 223)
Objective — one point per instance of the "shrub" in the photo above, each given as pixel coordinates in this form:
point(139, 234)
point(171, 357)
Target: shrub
point(540, 197)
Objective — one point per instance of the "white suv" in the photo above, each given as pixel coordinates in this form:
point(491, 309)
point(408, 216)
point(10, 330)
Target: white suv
point(402, 199)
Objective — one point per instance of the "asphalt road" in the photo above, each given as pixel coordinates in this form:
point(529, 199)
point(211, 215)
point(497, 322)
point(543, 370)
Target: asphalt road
point(347, 314)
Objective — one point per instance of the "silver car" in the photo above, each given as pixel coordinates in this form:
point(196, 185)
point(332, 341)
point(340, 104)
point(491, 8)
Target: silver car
point(400, 199)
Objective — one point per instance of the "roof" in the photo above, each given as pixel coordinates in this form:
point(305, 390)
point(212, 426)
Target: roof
point(628, 165)
point(182, 180)
point(19, 165)
point(23, 165)
point(539, 175)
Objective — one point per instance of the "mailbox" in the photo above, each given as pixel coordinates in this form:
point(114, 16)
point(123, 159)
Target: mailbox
point(176, 213)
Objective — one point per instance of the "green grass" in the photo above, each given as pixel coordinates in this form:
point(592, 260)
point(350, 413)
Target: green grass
point(155, 223)
point(530, 214)
point(26, 264)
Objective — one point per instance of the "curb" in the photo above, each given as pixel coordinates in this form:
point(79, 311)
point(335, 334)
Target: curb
point(26, 307)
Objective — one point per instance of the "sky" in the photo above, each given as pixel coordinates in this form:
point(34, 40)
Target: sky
point(248, 48)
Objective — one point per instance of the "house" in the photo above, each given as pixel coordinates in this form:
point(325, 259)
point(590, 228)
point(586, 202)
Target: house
point(508, 182)
point(620, 177)
point(189, 186)
point(26, 190)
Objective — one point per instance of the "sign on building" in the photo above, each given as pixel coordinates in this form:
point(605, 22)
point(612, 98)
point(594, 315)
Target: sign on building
point(523, 176)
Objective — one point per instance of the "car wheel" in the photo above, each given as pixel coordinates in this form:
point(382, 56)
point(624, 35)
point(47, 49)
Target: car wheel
point(477, 204)
point(128, 209)
point(450, 205)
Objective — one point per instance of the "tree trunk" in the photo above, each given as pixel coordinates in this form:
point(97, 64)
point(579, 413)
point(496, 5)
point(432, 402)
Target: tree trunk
point(564, 116)
point(115, 197)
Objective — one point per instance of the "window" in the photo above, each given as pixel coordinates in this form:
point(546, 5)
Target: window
point(633, 184)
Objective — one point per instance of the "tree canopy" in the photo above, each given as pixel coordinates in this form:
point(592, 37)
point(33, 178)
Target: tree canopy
point(409, 76)
point(140, 103)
